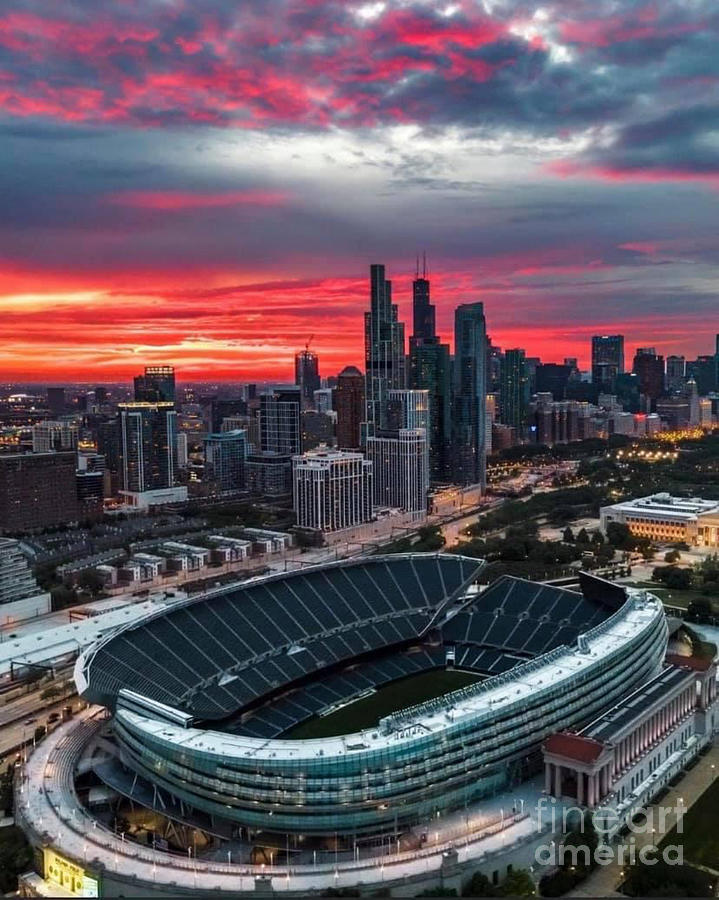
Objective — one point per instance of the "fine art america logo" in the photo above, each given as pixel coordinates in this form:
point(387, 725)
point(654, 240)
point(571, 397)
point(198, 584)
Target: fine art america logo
point(586, 836)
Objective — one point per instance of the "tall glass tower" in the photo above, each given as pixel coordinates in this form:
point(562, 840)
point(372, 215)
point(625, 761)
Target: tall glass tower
point(384, 351)
point(469, 463)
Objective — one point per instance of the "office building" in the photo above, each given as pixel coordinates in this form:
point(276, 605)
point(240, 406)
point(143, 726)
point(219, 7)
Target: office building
point(676, 373)
point(157, 385)
point(214, 410)
point(349, 403)
point(37, 491)
point(56, 401)
point(649, 368)
point(322, 399)
point(514, 392)
point(226, 461)
point(384, 350)
point(552, 378)
point(399, 469)
point(667, 519)
point(423, 311)
point(307, 376)
point(148, 453)
point(703, 371)
point(317, 428)
point(469, 465)
point(607, 359)
point(269, 474)
point(20, 594)
point(429, 370)
point(49, 435)
point(182, 450)
point(332, 489)
point(280, 425)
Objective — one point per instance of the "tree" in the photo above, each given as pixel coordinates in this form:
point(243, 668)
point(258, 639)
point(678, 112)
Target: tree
point(620, 536)
point(597, 537)
point(672, 556)
point(15, 857)
point(517, 884)
point(479, 886)
point(582, 536)
point(568, 536)
point(701, 608)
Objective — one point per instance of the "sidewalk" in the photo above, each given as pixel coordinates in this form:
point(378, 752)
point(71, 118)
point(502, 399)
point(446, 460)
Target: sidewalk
point(605, 880)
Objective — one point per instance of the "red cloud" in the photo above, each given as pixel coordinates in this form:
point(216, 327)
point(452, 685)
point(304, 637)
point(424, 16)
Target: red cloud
point(565, 168)
point(178, 200)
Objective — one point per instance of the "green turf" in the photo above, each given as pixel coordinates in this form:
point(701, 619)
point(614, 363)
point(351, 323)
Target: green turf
point(396, 695)
point(700, 835)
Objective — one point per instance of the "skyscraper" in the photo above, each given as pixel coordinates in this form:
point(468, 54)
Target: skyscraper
point(429, 370)
point(384, 350)
point(156, 385)
point(280, 425)
point(349, 403)
point(676, 372)
point(469, 396)
point(332, 489)
point(423, 312)
point(514, 392)
point(650, 369)
point(307, 375)
point(56, 401)
point(148, 453)
point(226, 460)
point(607, 359)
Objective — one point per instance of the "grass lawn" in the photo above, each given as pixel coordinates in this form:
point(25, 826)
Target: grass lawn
point(396, 695)
point(700, 835)
point(668, 596)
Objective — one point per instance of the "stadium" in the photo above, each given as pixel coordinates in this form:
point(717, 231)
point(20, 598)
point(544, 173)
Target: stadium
point(230, 712)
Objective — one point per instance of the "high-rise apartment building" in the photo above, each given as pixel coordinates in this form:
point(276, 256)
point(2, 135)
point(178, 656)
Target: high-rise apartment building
point(349, 404)
point(384, 350)
point(514, 392)
point(469, 395)
point(157, 385)
point(332, 489)
point(399, 469)
point(37, 490)
point(226, 460)
point(280, 423)
point(49, 435)
point(148, 453)
point(607, 359)
point(307, 375)
point(20, 594)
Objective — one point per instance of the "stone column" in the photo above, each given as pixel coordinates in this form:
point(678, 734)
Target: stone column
point(548, 778)
point(580, 788)
point(558, 781)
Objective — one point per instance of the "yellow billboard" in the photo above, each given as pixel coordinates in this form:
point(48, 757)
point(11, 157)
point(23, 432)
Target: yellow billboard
point(68, 875)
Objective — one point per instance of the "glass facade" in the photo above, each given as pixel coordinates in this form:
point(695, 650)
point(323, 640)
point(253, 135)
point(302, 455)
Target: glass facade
point(398, 776)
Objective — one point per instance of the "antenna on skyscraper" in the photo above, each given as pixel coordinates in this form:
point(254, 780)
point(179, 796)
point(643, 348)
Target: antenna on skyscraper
point(424, 264)
point(416, 268)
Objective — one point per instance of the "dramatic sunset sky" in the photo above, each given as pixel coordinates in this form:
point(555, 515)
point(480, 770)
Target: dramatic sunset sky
point(205, 182)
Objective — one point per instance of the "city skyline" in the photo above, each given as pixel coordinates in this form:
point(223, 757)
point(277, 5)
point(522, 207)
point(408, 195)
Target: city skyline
point(209, 187)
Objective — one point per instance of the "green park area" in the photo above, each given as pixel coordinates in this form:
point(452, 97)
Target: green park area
point(699, 835)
